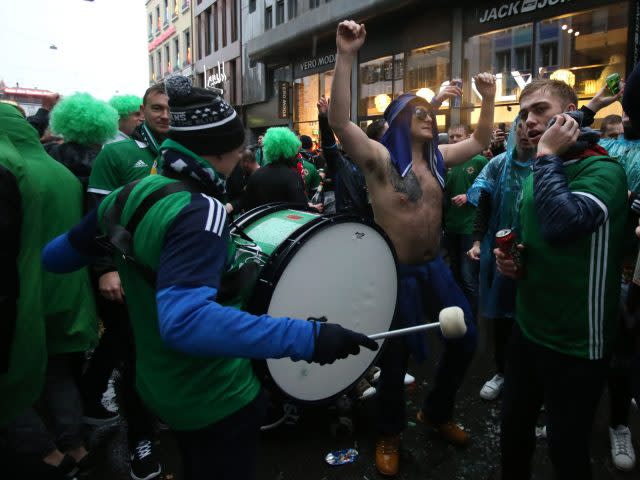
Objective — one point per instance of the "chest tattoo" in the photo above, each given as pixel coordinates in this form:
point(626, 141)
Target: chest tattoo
point(409, 185)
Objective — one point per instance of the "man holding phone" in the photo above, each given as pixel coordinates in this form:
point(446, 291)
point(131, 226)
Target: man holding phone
point(572, 219)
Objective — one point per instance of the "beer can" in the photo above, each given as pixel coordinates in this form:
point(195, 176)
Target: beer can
point(456, 102)
point(506, 242)
point(613, 83)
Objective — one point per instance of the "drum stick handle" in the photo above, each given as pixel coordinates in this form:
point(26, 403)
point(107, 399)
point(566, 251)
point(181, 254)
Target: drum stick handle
point(404, 331)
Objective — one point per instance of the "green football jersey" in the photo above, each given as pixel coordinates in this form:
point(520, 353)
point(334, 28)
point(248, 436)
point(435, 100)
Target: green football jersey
point(120, 163)
point(568, 297)
point(459, 180)
point(187, 392)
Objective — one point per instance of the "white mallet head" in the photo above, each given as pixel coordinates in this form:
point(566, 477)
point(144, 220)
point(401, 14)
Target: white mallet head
point(452, 322)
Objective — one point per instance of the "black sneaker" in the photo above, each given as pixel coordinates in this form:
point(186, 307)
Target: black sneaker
point(144, 462)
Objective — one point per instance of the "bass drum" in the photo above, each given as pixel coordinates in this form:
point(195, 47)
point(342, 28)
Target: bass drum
point(340, 267)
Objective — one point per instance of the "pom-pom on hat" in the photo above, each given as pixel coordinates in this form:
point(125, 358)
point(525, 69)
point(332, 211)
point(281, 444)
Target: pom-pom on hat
point(279, 145)
point(201, 120)
point(83, 119)
point(125, 104)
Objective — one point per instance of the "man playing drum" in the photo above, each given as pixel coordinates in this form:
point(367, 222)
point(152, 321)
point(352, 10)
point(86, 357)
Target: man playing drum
point(405, 173)
point(192, 367)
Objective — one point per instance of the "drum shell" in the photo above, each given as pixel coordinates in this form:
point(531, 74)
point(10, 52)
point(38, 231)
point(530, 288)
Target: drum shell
point(260, 299)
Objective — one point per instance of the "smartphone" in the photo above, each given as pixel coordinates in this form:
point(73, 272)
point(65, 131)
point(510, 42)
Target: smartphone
point(502, 126)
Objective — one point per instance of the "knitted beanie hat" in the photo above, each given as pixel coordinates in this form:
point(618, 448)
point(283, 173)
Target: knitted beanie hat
point(201, 120)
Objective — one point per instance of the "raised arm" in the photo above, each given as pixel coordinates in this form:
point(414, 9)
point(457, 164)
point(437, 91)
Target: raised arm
point(462, 151)
point(368, 154)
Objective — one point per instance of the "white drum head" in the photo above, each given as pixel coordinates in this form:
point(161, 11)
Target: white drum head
point(347, 273)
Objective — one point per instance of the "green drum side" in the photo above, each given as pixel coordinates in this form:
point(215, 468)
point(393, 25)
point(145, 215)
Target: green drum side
point(268, 232)
point(273, 229)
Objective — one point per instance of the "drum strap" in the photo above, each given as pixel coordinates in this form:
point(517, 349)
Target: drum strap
point(119, 239)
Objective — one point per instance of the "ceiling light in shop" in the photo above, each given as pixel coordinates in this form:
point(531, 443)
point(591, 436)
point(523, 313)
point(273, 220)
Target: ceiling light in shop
point(426, 93)
point(570, 30)
point(566, 76)
point(577, 33)
point(564, 27)
point(382, 101)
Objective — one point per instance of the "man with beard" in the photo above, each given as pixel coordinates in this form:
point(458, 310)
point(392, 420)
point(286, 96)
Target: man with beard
point(572, 223)
point(405, 173)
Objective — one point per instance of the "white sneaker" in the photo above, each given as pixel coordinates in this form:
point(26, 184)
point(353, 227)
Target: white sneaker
point(409, 379)
point(492, 388)
point(364, 389)
point(622, 453)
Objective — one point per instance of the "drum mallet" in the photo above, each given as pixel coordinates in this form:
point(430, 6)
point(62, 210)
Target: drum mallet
point(451, 323)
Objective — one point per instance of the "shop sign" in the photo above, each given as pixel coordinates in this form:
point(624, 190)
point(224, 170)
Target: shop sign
point(521, 79)
point(318, 62)
point(217, 78)
point(166, 34)
point(283, 99)
point(517, 8)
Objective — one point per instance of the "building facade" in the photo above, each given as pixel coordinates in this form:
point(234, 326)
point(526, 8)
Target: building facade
point(169, 33)
point(217, 47)
point(289, 53)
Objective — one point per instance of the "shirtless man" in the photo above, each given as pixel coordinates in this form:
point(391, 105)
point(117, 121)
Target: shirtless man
point(405, 178)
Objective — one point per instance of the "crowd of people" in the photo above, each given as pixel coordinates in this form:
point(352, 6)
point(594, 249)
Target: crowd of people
point(114, 231)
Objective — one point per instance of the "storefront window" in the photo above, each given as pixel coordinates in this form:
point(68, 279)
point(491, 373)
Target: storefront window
point(427, 70)
point(508, 55)
point(581, 49)
point(307, 91)
point(381, 80)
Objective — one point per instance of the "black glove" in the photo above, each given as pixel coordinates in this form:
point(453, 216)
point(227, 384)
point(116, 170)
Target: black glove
point(334, 342)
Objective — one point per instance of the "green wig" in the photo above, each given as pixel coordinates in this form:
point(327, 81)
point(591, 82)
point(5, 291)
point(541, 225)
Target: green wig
point(279, 145)
point(82, 119)
point(125, 104)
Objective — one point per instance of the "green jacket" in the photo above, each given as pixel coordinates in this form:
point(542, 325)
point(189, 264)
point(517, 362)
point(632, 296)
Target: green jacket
point(62, 314)
point(21, 385)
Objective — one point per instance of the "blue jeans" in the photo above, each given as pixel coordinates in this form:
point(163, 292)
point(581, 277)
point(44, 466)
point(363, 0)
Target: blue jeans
point(438, 290)
point(465, 270)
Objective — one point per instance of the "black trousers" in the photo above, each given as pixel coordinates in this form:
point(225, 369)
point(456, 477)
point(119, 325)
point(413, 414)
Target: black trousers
point(502, 328)
point(117, 350)
point(226, 450)
point(570, 389)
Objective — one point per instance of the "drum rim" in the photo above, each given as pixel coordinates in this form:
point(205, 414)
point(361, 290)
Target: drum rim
point(260, 299)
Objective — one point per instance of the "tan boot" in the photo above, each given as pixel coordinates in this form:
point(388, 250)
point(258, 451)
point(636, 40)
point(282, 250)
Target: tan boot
point(448, 431)
point(388, 455)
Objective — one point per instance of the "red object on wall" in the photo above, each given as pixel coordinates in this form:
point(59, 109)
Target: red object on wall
point(166, 34)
